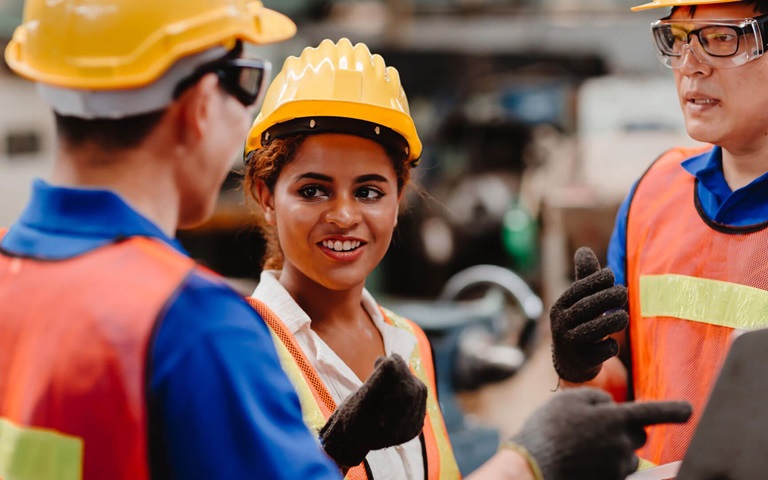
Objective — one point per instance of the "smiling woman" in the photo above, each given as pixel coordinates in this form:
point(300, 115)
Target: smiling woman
point(337, 203)
point(328, 159)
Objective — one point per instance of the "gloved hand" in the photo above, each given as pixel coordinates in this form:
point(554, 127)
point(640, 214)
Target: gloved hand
point(582, 434)
point(387, 410)
point(579, 326)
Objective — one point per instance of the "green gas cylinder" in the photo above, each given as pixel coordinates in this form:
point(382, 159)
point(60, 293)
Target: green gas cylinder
point(519, 234)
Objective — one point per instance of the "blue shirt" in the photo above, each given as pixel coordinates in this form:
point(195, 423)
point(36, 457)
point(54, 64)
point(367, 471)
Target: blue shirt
point(219, 402)
point(746, 206)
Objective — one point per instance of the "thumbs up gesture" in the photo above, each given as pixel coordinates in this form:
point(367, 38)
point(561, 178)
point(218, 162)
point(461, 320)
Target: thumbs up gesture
point(583, 318)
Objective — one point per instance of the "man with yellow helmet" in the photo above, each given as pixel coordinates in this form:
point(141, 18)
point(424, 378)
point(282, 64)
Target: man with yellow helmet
point(119, 358)
point(328, 159)
point(690, 239)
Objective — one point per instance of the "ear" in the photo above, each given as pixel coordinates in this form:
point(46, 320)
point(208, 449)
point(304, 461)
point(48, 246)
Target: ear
point(266, 200)
point(196, 110)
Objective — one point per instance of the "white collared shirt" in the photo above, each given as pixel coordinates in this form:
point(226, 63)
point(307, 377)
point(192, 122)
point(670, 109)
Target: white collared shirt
point(404, 461)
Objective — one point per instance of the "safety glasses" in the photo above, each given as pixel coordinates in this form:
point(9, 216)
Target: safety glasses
point(245, 79)
point(720, 43)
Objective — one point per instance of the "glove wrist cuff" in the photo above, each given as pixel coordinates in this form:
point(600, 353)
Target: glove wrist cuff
point(535, 469)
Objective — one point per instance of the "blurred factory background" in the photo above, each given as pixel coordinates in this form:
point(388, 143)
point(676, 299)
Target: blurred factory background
point(536, 115)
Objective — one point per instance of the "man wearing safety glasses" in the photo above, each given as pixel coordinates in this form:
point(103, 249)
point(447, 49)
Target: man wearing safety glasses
point(691, 238)
point(119, 358)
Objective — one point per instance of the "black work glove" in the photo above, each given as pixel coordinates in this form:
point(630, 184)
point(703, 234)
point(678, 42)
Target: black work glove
point(387, 410)
point(582, 434)
point(579, 326)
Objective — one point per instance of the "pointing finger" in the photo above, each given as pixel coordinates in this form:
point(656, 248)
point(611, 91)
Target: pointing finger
point(651, 413)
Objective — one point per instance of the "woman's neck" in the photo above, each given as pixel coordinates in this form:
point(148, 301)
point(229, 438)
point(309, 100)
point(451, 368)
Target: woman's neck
point(324, 306)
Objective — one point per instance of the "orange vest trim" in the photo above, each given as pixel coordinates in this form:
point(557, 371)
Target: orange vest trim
point(689, 280)
point(441, 462)
point(323, 398)
point(74, 339)
point(326, 402)
point(438, 460)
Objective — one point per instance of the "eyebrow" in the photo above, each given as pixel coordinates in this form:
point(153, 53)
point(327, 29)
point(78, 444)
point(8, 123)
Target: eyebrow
point(371, 177)
point(314, 176)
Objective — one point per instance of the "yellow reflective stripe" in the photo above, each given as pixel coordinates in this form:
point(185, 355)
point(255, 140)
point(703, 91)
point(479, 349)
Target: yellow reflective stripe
point(703, 300)
point(38, 454)
point(449, 469)
point(310, 410)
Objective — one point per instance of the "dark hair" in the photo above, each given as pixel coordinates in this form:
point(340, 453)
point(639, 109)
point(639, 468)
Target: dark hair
point(759, 6)
point(107, 134)
point(266, 163)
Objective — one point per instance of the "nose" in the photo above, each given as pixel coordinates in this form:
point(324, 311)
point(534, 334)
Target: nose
point(343, 212)
point(692, 59)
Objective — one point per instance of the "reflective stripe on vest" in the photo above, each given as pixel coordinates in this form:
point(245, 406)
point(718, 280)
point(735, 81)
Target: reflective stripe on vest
point(73, 347)
point(36, 453)
point(441, 463)
point(690, 282)
point(317, 404)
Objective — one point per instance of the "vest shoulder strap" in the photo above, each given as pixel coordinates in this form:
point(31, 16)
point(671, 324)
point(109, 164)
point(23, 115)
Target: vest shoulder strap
point(669, 159)
point(678, 154)
point(316, 402)
point(326, 403)
point(672, 158)
point(424, 347)
point(440, 461)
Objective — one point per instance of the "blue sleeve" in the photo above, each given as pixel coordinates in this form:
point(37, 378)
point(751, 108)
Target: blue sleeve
point(220, 405)
point(617, 248)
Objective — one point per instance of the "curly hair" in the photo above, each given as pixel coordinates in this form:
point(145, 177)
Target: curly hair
point(266, 163)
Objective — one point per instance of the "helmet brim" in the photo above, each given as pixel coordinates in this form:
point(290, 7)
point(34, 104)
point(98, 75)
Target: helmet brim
point(274, 26)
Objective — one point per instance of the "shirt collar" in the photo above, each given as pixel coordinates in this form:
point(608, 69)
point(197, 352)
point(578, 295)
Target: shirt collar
point(745, 206)
point(272, 293)
point(708, 170)
point(61, 222)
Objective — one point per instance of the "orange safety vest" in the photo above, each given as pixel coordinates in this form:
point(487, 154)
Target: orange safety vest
point(691, 281)
point(317, 405)
point(74, 339)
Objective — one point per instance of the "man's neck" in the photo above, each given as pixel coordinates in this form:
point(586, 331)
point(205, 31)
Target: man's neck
point(147, 185)
point(741, 168)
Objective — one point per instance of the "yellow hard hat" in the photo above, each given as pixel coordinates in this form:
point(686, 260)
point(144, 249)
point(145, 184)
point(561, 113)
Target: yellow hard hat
point(119, 44)
point(329, 85)
point(677, 3)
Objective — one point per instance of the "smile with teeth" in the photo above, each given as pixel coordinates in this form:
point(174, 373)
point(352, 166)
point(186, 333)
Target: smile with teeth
point(703, 101)
point(339, 246)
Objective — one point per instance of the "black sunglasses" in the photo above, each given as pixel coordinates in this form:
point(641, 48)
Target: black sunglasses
point(245, 79)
